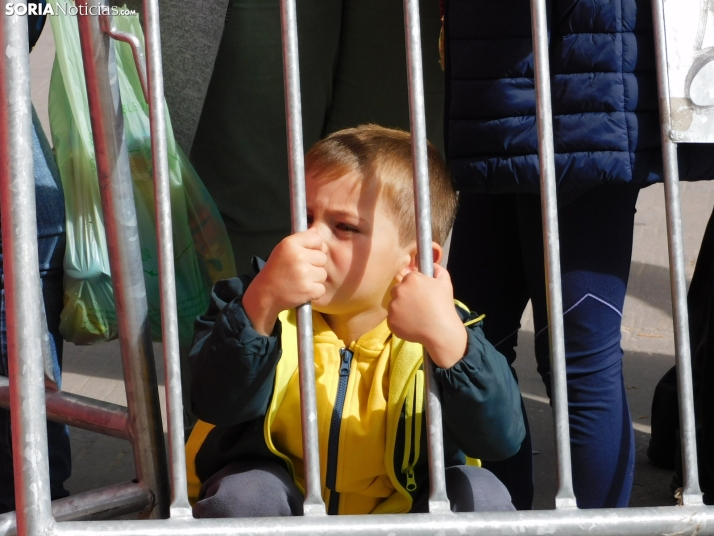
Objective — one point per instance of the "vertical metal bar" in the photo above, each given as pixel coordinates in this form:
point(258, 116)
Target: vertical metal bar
point(314, 505)
point(22, 282)
point(124, 255)
point(180, 506)
point(565, 497)
point(438, 501)
point(691, 495)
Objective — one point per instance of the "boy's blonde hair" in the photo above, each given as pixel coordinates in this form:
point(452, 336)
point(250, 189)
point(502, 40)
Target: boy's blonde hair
point(385, 155)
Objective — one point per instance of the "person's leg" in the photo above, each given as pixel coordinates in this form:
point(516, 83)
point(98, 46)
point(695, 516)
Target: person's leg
point(474, 489)
point(57, 434)
point(662, 448)
point(370, 80)
point(51, 240)
point(51, 244)
point(240, 147)
point(666, 443)
point(487, 271)
point(596, 229)
point(706, 442)
point(250, 488)
point(486, 266)
point(470, 489)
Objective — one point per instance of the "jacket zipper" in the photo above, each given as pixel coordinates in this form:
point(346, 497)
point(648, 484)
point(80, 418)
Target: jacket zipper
point(333, 443)
point(414, 416)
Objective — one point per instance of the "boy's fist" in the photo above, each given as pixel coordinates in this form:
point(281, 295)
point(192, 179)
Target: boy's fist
point(422, 310)
point(294, 274)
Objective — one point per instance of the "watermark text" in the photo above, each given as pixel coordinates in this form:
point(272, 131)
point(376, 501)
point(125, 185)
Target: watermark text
point(32, 8)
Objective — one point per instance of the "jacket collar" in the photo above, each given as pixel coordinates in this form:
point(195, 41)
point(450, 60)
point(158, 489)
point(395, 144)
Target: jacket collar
point(371, 344)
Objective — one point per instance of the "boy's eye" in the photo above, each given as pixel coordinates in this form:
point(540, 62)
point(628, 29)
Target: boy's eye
point(347, 227)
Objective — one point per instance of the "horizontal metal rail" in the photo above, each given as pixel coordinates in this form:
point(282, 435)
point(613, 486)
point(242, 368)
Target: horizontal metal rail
point(104, 503)
point(79, 411)
point(570, 522)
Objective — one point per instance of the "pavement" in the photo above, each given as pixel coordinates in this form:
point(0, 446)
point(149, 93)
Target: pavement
point(647, 339)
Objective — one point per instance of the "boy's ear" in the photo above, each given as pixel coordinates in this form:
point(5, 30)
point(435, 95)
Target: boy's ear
point(413, 265)
point(437, 252)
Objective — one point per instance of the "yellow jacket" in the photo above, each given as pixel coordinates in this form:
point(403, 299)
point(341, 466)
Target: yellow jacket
point(405, 377)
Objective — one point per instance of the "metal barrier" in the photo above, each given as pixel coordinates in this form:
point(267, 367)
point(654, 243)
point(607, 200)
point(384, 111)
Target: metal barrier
point(140, 421)
point(36, 515)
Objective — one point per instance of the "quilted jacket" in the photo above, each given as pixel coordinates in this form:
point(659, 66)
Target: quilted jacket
point(605, 111)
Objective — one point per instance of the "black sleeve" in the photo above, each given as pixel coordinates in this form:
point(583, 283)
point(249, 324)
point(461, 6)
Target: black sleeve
point(232, 365)
point(481, 401)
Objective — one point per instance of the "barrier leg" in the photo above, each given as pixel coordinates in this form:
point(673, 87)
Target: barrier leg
point(180, 506)
point(22, 283)
point(565, 497)
point(438, 501)
point(125, 258)
point(691, 494)
point(314, 505)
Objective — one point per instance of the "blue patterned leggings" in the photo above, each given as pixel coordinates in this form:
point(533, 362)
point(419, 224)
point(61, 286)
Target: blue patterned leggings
point(496, 263)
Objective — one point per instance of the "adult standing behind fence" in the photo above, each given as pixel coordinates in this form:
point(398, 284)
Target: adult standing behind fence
point(51, 241)
point(607, 144)
point(664, 447)
point(352, 71)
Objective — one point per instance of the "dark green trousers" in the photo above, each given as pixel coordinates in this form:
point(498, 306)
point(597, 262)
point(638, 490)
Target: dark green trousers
point(352, 71)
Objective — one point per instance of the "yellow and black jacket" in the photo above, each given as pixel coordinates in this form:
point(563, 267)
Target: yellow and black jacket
point(243, 382)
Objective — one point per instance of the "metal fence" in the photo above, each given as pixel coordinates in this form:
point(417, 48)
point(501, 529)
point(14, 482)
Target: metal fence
point(140, 421)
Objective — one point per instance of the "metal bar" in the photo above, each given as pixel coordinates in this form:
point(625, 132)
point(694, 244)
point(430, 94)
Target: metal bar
point(124, 256)
point(691, 494)
point(438, 501)
point(314, 505)
point(571, 522)
point(22, 282)
point(106, 23)
point(105, 503)
point(180, 506)
point(565, 497)
point(79, 411)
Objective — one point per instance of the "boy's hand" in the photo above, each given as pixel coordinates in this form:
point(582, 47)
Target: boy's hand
point(294, 274)
point(422, 310)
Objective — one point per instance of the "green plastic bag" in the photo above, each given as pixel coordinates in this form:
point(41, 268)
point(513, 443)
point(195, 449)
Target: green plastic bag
point(202, 251)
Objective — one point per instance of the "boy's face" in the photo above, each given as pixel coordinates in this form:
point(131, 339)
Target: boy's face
point(361, 241)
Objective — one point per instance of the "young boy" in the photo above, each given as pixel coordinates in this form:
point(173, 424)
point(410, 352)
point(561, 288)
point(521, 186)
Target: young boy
point(357, 266)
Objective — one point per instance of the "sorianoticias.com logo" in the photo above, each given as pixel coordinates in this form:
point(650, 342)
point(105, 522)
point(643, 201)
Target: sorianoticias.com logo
point(40, 8)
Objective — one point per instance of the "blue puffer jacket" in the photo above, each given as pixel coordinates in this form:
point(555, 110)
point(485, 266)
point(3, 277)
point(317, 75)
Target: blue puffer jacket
point(605, 111)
